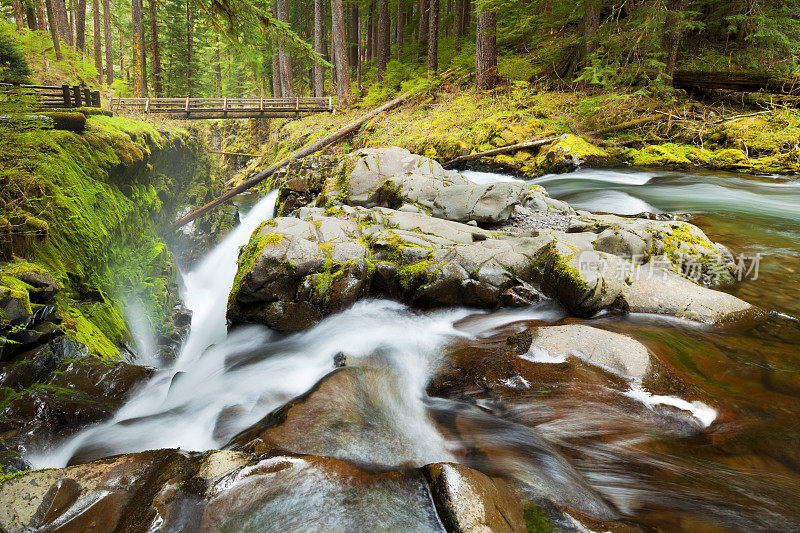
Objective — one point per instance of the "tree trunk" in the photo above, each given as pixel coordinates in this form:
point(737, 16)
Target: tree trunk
point(158, 72)
point(424, 27)
point(433, 38)
point(19, 17)
point(589, 24)
point(97, 41)
point(354, 33)
point(30, 17)
point(284, 57)
point(61, 20)
point(189, 47)
point(109, 42)
point(138, 48)
point(276, 75)
point(384, 29)
point(458, 19)
point(371, 31)
point(400, 26)
point(80, 26)
point(671, 39)
point(41, 16)
point(340, 51)
point(486, 50)
point(53, 29)
point(217, 68)
point(319, 38)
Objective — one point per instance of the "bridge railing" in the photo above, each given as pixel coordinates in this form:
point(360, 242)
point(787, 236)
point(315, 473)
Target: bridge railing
point(222, 106)
point(56, 96)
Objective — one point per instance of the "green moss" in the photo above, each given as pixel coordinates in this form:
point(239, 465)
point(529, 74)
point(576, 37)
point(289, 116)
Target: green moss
point(537, 520)
point(249, 254)
point(415, 275)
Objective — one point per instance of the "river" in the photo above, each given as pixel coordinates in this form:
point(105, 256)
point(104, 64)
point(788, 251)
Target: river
point(736, 466)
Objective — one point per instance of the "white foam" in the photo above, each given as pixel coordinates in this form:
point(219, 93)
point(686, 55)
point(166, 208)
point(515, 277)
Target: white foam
point(705, 414)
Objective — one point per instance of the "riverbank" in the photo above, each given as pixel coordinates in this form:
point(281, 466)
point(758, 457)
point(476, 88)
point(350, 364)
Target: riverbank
point(675, 132)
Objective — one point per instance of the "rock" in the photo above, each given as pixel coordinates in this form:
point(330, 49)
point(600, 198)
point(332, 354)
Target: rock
point(355, 413)
point(468, 500)
point(616, 353)
point(568, 153)
point(167, 490)
point(391, 177)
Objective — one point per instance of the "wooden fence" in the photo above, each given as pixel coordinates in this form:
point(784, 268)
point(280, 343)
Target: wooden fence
point(57, 97)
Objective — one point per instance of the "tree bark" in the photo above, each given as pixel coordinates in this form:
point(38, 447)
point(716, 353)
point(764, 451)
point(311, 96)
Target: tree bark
point(19, 17)
point(486, 50)
point(158, 72)
point(53, 29)
point(424, 27)
point(189, 48)
point(589, 24)
point(218, 69)
point(61, 20)
point(319, 38)
point(433, 38)
point(138, 48)
point(30, 16)
point(384, 29)
point(284, 57)
point(97, 41)
point(109, 42)
point(400, 26)
point(340, 51)
point(41, 16)
point(354, 33)
point(277, 91)
point(80, 26)
point(371, 31)
point(671, 39)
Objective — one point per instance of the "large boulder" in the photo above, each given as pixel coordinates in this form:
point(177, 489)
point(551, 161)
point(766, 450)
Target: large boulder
point(391, 177)
point(167, 490)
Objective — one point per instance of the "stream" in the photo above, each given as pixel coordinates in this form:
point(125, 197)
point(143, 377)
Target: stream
point(732, 463)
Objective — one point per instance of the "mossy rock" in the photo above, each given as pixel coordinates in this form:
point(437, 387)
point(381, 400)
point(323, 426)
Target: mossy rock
point(570, 151)
point(67, 120)
point(729, 159)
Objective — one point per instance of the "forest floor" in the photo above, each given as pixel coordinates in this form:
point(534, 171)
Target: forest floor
point(676, 132)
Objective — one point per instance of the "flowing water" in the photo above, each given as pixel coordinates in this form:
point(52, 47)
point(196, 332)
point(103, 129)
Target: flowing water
point(730, 462)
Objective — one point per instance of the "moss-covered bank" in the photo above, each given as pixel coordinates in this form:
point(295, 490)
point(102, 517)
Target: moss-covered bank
point(680, 133)
point(87, 208)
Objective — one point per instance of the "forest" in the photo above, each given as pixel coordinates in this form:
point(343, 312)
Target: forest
point(348, 48)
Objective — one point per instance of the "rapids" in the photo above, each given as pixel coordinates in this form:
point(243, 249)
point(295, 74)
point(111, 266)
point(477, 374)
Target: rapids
point(730, 461)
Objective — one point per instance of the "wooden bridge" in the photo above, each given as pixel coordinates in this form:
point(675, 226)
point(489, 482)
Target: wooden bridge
point(200, 108)
point(55, 96)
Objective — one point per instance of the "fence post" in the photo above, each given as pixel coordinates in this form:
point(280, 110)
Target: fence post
point(87, 97)
point(187, 106)
point(65, 93)
point(96, 99)
point(76, 96)
point(147, 105)
point(225, 107)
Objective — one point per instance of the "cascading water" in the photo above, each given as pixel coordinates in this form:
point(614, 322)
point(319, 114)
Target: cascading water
point(588, 449)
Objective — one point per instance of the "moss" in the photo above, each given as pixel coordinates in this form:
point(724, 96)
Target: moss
point(537, 520)
point(416, 274)
point(249, 254)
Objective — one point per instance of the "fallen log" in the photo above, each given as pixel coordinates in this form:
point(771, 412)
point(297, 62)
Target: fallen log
point(540, 142)
point(737, 81)
point(232, 153)
point(502, 150)
point(339, 134)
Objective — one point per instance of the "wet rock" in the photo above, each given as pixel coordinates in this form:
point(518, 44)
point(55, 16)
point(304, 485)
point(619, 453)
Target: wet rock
point(79, 393)
point(570, 152)
point(166, 490)
point(356, 413)
point(391, 177)
point(35, 366)
point(468, 500)
point(617, 353)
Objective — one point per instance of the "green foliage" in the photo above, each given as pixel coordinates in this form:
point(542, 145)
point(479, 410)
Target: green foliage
point(13, 65)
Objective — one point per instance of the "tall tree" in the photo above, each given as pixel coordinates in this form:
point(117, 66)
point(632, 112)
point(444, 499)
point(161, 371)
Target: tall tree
point(109, 41)
point(319, 38)
point(458, 19)
point(340, 52)
point(371, 30)
point(353, 32)
point(97, 41)
point(671, 38)
point(158, 74)
point(53, 29)
point(384, 30)
point(61, 20)
point(587, 31)
point(486, 49)
point(189, 47)
point(19, 17)
point(138, 48)
point(284, 57)
point(80, 26)
point(400, 27)
point(41, 15)
point(424, 27)
point(433, 38)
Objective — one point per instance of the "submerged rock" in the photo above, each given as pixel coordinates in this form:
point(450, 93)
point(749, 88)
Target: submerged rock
point(167, 490)
point(398, 229)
